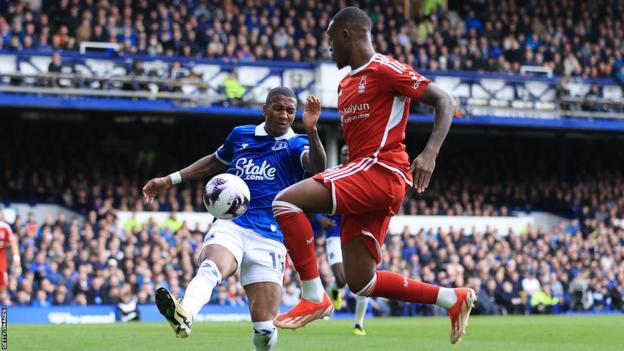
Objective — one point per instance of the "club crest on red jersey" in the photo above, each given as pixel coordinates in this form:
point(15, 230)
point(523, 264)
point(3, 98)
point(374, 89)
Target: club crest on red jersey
point(362, 85)
point(417, 80)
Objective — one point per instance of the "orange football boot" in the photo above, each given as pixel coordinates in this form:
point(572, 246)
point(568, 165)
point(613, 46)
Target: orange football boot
point(304, 312)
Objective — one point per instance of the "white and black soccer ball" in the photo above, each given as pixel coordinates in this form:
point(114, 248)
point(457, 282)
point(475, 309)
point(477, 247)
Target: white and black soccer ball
point(226, 196)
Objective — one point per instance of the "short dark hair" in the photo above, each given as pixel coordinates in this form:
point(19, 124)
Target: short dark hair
point(280, 91)
point(353, 17)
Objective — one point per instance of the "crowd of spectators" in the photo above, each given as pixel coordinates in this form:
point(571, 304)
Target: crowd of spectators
point(573, 38)
point(536, 271)
point(103, 261)
point(96, 169)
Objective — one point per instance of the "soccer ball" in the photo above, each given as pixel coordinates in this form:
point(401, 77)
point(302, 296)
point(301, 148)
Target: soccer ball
point(226, 196)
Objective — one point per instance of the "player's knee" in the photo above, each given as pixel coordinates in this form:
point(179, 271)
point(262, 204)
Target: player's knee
point(280, 195)
point(281, 207)
point(283, 195)
point(208, 269)
point(203, 255)
point(356, 285)
point(361, 286)
point(264, 336)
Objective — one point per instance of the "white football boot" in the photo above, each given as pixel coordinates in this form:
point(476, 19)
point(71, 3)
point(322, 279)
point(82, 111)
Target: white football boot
point(171, 308)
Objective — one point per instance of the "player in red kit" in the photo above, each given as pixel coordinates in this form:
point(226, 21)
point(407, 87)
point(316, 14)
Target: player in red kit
point(373, 103)
point(7, 239)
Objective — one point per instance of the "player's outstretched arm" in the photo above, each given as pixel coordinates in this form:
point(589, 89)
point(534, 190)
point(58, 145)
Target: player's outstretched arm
point(199, 169)
point(314, 160)
point(445, 107)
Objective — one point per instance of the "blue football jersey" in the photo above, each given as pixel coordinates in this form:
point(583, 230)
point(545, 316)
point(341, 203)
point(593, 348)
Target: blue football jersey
point(268, 165)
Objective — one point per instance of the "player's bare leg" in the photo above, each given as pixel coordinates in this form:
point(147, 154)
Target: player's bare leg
point(356, 253)
point(336, 292)
point(264, 301)
point(215, 262)
point(362, 277)
point(289, 207)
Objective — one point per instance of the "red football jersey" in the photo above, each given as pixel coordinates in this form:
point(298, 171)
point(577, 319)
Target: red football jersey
point(373, 103)
point(6, 236)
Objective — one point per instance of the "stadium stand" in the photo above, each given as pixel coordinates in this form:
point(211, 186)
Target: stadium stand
point(525, 59)
point(158, 50)
point(483, 36)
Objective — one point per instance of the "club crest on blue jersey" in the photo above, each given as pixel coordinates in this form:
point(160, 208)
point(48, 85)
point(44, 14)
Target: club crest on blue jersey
point(279, 144)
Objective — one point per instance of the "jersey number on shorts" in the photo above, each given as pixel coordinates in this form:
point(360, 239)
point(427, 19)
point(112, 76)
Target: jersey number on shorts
point(278, 261)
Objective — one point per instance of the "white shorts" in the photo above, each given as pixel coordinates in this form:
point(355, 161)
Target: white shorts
point(334, 250)
point(260, 259)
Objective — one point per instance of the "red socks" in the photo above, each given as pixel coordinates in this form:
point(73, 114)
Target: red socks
point(298, 239)
point(394, 286)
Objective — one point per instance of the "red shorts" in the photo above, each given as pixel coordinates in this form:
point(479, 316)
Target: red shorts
point(367, 195)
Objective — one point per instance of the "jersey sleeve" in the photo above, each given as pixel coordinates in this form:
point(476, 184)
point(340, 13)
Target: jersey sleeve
point(225, 152)
point(300, 146)
point(402, 80)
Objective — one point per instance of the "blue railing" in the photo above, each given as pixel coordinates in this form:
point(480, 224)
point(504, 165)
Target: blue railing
point(73, 56)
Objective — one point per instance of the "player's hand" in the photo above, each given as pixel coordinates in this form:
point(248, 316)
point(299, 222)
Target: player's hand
point(154, 187)
point(326, 222)
point(311, 113)
point(422, 168)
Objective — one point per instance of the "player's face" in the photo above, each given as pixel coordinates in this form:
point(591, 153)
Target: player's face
point(338, 45)
point(344, 154)
point(279, 115)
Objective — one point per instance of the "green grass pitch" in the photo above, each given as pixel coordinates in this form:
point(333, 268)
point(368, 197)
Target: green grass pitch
point(533, 333)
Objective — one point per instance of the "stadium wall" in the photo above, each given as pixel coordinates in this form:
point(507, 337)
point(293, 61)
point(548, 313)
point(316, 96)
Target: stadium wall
point(503, 225)
point(110, 314)
point(106, 314)
point(202, 220)
point(40, 211)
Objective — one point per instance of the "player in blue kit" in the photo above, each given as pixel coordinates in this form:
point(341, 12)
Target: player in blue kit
point(269, 157)
point(331, 226)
